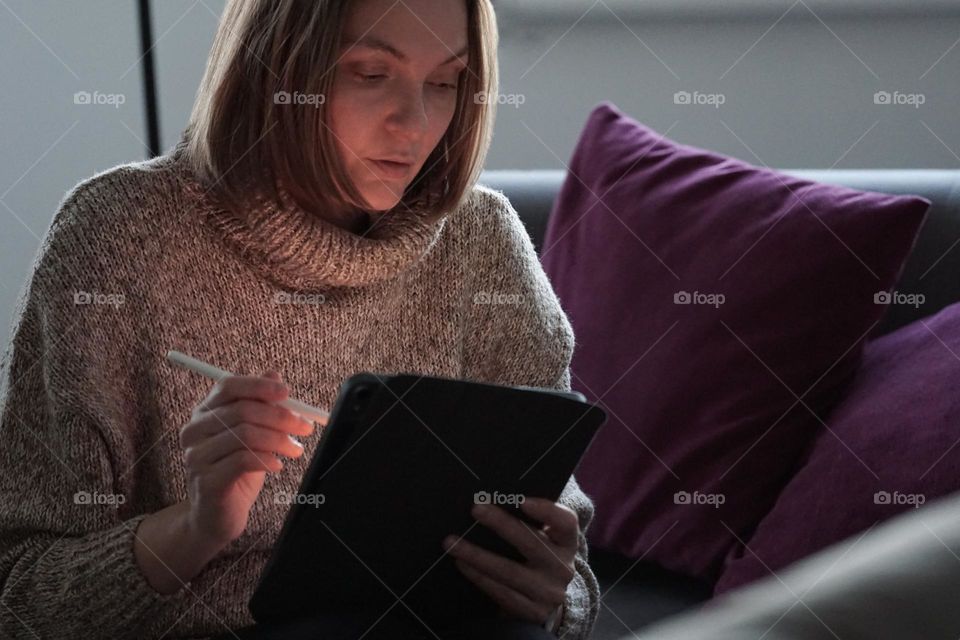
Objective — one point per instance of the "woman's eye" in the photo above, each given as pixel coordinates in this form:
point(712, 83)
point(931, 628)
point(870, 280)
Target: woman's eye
point(372, 78)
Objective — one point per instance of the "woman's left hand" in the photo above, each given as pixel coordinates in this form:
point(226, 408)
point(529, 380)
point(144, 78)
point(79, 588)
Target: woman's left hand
point(532, 590)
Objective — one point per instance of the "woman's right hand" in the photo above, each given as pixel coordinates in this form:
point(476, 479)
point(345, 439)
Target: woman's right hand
point(232, 440)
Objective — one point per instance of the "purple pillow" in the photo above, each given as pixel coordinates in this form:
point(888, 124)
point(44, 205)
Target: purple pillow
point(893, 447)
point(707, 295)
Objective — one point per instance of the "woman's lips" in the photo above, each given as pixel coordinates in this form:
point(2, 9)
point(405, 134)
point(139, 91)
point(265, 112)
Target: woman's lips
point(393, 170)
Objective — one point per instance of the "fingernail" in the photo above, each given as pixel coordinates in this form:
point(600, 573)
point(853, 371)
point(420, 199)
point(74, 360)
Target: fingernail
point(294, 441)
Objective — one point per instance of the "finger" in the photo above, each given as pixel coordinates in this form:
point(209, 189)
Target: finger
point(532, 543)
point(233, 388)
point(503, 569)
point(240, 462)
point(243, 436)
point(561, 522)
point(275, 375)
point(512, 602)
point(253, 411)
point(268, 415)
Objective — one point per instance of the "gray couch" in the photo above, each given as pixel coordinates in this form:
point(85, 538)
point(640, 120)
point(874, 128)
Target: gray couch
point(636, 594)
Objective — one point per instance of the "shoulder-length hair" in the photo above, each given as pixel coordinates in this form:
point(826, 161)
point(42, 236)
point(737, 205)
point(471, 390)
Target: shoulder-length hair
point(238, 135)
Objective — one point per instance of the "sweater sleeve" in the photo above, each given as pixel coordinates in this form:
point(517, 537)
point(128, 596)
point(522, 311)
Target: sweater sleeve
point(67, 565)
point(518, 334)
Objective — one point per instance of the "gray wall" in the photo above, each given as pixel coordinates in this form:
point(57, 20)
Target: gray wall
point(797, 81)
point(799, 96)
point(50, 51)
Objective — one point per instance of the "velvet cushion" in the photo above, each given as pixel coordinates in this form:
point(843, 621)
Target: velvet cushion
point(892, 446)
point(719, 309)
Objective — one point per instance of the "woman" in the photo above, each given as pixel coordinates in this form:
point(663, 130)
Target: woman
point(288, 231)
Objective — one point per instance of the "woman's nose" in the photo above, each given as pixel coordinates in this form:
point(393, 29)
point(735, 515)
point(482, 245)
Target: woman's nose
point(408, 116)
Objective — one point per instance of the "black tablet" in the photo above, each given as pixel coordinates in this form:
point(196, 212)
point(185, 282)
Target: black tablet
point(400, 464)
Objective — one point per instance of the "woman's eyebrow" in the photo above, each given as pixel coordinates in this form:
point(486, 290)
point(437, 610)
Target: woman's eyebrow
point(373, 42)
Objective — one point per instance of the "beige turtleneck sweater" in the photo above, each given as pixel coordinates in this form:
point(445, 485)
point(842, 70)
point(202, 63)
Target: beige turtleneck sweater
point(136, 262)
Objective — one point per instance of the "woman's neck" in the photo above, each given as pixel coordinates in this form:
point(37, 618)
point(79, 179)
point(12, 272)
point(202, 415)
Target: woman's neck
point(358, 224)
point(353, 219)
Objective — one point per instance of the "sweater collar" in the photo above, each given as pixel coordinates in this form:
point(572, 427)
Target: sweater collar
point(301, 251)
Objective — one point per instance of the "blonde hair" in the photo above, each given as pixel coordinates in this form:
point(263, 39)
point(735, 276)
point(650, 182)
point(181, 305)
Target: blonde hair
point(237, 135)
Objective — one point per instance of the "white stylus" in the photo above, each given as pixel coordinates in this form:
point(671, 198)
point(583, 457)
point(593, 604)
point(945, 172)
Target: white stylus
point(215, 373)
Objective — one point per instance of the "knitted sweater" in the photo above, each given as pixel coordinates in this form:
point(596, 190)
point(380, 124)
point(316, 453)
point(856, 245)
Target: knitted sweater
point(137, 261)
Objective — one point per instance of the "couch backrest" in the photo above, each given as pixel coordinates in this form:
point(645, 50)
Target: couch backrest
point(932, 270)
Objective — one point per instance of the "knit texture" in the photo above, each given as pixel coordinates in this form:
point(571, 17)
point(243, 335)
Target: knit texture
point(138, 261)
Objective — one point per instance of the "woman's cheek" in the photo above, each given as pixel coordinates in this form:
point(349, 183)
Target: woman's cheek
point(347, 112)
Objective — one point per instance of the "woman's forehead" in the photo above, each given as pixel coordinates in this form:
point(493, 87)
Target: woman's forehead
point(407, 28)
point(377, 43)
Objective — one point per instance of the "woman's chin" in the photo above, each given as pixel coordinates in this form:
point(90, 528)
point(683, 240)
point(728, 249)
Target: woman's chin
point(380, 203)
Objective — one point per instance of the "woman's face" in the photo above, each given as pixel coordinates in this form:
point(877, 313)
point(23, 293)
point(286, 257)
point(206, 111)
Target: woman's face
point(395, 90)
